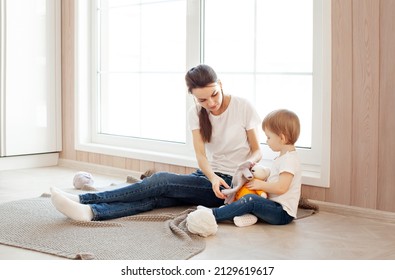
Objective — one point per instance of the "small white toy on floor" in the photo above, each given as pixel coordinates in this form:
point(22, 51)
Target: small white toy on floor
point(83, 181)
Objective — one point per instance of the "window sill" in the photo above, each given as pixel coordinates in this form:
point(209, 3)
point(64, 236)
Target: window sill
point(140, 154)
point(312, 175)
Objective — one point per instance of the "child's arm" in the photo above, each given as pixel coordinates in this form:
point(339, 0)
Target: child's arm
point(279, 187)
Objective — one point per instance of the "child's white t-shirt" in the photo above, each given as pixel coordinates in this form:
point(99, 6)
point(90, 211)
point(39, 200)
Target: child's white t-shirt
point(290, 163)
point(229, 144)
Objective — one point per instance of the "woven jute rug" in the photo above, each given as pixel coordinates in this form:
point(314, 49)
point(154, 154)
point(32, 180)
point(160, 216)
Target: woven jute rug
point(156, 235)
point(159, 234)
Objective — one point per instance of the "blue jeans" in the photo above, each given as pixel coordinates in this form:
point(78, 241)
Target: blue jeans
point(266, 210)
point(162, 189)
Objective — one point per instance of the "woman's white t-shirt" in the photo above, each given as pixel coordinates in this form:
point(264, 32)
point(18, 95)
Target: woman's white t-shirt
point(229, 144)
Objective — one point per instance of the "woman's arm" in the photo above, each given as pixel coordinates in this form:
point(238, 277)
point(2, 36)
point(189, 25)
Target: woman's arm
point(256, 153)
point(205, 166)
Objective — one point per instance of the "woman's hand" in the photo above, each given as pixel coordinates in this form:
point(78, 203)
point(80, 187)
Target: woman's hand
point(217, 182)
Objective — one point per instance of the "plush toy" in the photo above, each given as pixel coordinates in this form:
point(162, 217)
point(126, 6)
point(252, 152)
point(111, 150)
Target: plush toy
point(243, 174)
point(258, 172)
point(83, 181)
point(202, 222)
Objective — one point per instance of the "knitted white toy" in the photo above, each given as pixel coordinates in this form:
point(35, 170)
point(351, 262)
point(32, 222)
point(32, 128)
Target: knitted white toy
point(202, 222)
point(83, 181)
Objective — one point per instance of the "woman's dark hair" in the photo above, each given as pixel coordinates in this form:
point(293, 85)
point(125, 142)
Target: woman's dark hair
point(199, 77)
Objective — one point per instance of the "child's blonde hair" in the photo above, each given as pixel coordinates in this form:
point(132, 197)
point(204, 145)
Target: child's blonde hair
point(284, 122)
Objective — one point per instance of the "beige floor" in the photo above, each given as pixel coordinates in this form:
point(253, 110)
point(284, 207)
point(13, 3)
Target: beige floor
point(323, 236)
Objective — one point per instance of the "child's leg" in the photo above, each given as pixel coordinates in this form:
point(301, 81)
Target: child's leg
point(203, 220)
point(267, 210)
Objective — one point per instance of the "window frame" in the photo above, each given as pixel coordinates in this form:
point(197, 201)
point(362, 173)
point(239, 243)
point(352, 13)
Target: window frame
point(315, 161)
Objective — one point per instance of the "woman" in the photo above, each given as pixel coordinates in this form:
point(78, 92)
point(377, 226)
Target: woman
point(224, 135)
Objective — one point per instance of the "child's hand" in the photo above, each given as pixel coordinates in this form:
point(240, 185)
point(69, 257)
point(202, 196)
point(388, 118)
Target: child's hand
point(255, 185)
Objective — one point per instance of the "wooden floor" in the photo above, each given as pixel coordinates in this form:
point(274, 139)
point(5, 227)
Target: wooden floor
point(323, 236)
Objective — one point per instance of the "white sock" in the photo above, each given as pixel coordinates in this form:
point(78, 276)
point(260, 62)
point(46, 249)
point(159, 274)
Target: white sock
point(73, 197)
point(70, 208)
point(245, 220)
point(202, 222)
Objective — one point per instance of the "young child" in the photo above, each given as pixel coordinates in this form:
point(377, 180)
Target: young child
point(282, 128)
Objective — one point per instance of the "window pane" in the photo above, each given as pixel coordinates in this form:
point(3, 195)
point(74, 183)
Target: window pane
point(239, 84)
point(263, 51)
point(120, 104)
point(229, 35)
point(163, 116)
point(293, 92)
point(284, 36)
point(142, 68)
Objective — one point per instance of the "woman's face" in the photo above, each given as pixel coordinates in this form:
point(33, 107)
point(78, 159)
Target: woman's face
point(209, 97)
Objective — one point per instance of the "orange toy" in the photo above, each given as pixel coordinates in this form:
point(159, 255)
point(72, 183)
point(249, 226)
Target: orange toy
point(259, 172)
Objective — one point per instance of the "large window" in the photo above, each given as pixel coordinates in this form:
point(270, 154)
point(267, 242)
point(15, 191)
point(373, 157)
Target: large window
point(272, 52)
point(141, 63)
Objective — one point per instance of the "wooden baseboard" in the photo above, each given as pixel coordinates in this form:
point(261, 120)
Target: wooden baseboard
point(382, 216)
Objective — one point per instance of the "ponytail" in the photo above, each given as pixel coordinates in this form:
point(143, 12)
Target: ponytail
point(206, 128)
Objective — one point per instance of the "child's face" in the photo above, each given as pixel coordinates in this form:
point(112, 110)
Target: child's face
point(273, 140)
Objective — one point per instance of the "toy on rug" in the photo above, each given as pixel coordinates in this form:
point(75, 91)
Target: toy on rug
point(132, 179)
point(83, 181)
point(243, 174)
point(202, 222)
point(304, 203)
